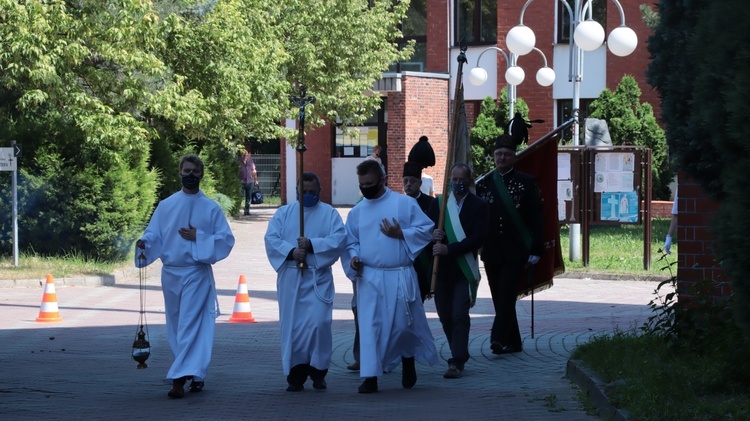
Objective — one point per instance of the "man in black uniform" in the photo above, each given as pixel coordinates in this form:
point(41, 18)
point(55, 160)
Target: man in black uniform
point(514, 239)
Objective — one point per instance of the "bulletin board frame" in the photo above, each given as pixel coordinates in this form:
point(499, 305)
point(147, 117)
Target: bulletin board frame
point(605, 186)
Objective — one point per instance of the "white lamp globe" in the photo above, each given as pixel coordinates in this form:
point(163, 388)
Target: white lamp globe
point(589, 35)
point(545, 76)
point(514, 75)
point(520, 40)
point(622, 41)
point(477, 76)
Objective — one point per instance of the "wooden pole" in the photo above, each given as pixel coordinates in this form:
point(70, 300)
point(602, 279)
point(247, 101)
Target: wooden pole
point(448, 160)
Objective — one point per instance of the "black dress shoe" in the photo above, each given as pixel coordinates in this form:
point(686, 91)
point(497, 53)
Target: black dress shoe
point(504, 349)
point(409, 373)
point(196, 386)
point(320, 384)
point(295, 388)
point(370, 385)
point(178, 388)
point(353, 366)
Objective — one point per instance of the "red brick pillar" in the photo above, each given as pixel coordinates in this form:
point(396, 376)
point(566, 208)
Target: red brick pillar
point(697, 258)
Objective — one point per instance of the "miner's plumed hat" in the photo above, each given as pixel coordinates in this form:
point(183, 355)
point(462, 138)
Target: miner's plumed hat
point(421, 153)
point(505, 141)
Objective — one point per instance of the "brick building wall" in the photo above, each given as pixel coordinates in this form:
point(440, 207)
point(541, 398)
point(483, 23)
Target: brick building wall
point(420, 109)
point(317, 159)
point(660, 208)
point(438, 34)
point(697, 259)
point(636, 63)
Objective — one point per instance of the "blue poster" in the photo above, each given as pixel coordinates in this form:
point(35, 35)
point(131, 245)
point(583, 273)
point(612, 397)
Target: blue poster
point(620, 206)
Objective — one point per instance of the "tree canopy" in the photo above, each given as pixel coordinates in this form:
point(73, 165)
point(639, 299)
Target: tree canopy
point(701, 53)
point(491, 122)
point(631, 122)
point(97, 89)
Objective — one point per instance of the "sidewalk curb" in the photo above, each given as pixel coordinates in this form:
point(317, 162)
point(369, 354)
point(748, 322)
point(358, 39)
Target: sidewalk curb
point(84, 281)
point(112, 279)
point(594, 388)
point(613, 276)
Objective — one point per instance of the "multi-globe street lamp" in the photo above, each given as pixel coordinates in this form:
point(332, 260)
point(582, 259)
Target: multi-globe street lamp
point(586, 35)
point(514, 74)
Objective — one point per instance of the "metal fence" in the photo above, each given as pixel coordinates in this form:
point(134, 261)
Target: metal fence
point(268, 167)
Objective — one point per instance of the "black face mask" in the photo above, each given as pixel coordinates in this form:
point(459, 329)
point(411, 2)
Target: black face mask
point(191, 181)
point(370, 192)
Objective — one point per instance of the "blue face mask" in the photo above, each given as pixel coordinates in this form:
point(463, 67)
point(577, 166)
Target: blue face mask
point(459, 189)
point(309, 200)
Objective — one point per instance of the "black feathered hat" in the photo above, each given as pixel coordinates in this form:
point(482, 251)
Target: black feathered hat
point(505, 141)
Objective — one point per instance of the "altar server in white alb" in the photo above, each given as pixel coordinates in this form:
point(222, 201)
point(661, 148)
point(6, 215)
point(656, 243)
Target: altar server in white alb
point(305, 294)
point(188, 232)
point(386, 231)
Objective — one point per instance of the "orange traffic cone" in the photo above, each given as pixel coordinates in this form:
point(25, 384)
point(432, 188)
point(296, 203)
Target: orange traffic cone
point(242, 312)
point(48, 312)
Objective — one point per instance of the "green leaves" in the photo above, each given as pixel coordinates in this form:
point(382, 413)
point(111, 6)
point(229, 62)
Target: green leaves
point(99, 88)
point(631, 122)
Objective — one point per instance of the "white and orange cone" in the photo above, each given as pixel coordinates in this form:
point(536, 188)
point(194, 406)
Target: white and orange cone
point(242, 312)
point(48, 312)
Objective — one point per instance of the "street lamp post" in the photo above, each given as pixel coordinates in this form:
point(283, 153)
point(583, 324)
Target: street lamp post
point(586, 35)
point(514, 74)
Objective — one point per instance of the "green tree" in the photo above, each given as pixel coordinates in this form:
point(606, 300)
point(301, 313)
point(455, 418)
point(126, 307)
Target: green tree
point(631, 122)
point(105, 96)
point(701, 53)
point(490, 123)
point(73, 79)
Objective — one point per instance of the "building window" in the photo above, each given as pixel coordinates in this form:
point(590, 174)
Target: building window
point(476, 22)
point(361, 139)
point(414, 28)
point(563, 18)
point(565, 112)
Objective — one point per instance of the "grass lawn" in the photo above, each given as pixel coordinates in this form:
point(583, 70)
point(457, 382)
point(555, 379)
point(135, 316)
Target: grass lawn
point(703, 378)
point(613, 249)
point(619, 249)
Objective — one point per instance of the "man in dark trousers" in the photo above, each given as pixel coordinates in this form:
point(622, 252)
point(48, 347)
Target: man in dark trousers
point(514, 239)
point(458, 271)
point(412, 187)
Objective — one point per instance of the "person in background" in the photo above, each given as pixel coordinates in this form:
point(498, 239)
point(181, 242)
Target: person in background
point(189, 233)
point(375, 156)
point(427, 186)
point(672, 227)
point(305, 295)
point(248, 176)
